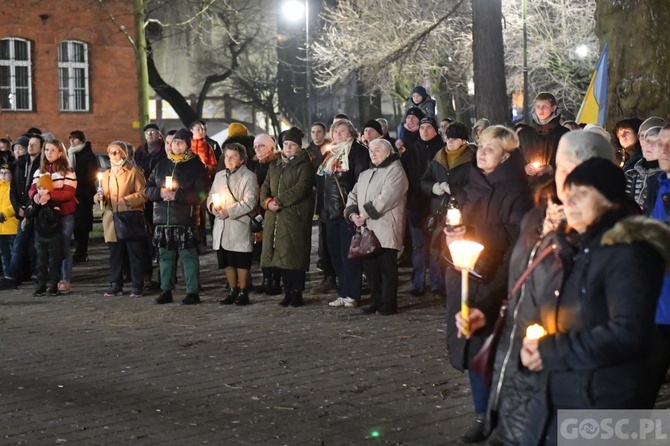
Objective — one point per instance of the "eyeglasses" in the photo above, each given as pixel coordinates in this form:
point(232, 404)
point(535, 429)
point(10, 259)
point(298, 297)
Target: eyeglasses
point(150, 132)
point(114, 152)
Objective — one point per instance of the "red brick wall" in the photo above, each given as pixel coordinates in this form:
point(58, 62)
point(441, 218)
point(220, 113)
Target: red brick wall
point(112, 72)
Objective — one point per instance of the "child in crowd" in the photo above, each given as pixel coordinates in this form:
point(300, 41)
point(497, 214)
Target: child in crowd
point(8, 222)
point(46, 215)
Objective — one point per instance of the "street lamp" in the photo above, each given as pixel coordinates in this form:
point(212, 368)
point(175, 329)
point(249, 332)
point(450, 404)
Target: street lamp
point(526, 116)
point(582, 51)
point(293, 11)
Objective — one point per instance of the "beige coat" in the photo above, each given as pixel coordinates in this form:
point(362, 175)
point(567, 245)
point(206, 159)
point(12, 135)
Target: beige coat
point(118, 186)
point(233, 233)
point(380, 195)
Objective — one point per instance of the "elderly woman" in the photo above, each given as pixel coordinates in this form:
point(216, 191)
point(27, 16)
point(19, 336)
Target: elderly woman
point(177, 186)
point(598, 327)
point(378, 201)
point(336, 177)
point(122, 190)
point(286, 195)
point(492, 205)
point(233, 195)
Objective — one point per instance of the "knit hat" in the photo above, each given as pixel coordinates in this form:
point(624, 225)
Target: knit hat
point(22, 140)
point(237, 129)
point(432, 122)
point(374, 125)
point(415, 111)
point(46, 182)
point(185, 135)
point(294, 134)
point(654, 121)
point(601, 174)
point(151, 126)
point(422, 91)
point(457, 130)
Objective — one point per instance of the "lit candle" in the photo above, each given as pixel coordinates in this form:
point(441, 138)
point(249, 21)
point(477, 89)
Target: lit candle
point(99, 176)
point(464, 254)
point(168, 182)
point(454, 217)
point(536, 164)
point(216, 200)
point(535, 331)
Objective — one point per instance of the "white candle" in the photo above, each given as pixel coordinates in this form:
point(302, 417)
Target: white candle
point(168, 182)
point(216, 200)
point(465, 309)
point(454, 217)
point(99, 176)
point(535, 331)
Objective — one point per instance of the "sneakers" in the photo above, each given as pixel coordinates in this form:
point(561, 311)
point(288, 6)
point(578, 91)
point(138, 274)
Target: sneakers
point(326, 285)
point(135, 293)
point(164, 298)
point(64, 287)
point(53, 290)
point(191, 299)
point(40, 291)
point(346, 302)
point(113, 290)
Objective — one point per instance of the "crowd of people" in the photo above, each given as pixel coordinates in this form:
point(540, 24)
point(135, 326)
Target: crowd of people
point(573, 224)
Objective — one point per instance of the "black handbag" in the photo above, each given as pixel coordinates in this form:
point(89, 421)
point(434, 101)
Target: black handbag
point(256, 219)
point(130, 226)
point(432, 220)
point(363, 243)
point(482, 363)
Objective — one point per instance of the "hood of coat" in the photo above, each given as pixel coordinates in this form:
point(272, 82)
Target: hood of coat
point(545, 129)
point(640, 229)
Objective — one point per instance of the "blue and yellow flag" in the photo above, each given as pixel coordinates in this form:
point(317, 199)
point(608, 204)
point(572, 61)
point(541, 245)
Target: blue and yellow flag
point(594, 107)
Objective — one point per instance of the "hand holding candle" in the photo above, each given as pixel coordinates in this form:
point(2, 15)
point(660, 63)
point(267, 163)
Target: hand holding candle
point(535, 331)
point(216, 200)
point(168, 182)
point(530, 351)
point(100, 194)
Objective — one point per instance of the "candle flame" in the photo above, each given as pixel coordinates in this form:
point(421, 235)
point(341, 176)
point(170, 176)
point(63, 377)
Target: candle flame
point(99, 176)
point(535, 331)
point(536, 164)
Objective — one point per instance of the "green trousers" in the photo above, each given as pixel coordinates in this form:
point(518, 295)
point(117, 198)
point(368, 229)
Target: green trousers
point(190, 263)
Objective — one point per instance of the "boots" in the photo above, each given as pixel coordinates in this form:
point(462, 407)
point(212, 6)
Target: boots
point(243, 297)
point(286, 300)
point(80, 252)
point(232, 297)
point(326, 285)
point(475, 432)
point(262, 287)
point(273, 287)
point(296, 298)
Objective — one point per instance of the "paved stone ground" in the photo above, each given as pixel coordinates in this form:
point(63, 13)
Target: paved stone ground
point(82, 369)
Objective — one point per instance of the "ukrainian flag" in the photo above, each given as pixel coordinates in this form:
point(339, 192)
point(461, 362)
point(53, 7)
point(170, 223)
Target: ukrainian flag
point(594, 107)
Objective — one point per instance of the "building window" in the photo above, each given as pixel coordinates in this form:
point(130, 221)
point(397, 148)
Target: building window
point(73, 76)
point(16, 91)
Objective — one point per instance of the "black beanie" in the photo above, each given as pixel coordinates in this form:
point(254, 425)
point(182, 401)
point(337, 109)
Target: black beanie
point(374, 125)
point(294, 134)
point(432, 122)
point(457, 130)
point(416, 111)
point(150, 126)
point(185, 135)
point(601, 174)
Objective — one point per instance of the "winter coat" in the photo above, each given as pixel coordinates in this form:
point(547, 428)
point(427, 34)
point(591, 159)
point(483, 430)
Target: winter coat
point(47, 218)
point(63, 193)
point(287, 233)
point(415, 162)
point(86, 169)
point(126, 183)
point(658, 207)
point(539, 143)
point(492, 209)
point(147, 161)
point(202, 148)
point(10, 224)
point(598, 326)
point(439, 171)
point(380, 195)
point(190, 178)
point(238, 193)
point(638, 179)
point(315, 153)
point(427, 106)
point(22, 179)
point(329, 204)
point(512, 386)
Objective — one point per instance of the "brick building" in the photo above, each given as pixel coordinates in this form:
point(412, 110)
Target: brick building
point(64, 65)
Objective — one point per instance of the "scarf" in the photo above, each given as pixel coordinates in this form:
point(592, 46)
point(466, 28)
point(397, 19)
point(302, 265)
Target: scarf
point(71, 152)
point(337, 160)
point(453, 155)
point(181, 158)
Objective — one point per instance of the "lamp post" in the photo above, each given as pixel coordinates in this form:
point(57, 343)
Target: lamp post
point(292, 9)
point(526, 116)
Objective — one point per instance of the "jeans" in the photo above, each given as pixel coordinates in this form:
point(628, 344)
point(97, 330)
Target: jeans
point(190, 263)
point(419, 251)
point(22, 250)
point(349, 272)
point(480, 393)
point(67, 222)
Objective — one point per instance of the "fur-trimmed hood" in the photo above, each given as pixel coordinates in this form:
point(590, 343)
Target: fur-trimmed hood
point(641, 229)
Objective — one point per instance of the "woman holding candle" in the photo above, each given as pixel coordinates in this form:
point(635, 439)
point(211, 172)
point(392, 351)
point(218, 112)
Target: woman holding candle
point(492, 205)
point(121, 189)
point(233, 195)
point(600, 326)
point(178, 186)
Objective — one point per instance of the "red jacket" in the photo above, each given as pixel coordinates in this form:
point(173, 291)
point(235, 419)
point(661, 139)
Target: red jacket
point(206, 154)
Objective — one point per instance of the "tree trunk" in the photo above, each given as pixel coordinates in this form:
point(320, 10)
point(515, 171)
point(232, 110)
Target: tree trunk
point(489, 61)
point(639, 57)
point(141, 65)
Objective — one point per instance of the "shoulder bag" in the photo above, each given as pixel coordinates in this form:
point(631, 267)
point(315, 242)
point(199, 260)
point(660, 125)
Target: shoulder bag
point(256, 219)
point(129, 226)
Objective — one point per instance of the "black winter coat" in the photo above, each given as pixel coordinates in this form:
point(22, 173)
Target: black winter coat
point(192, 182)
point(415, 162)
point(22, 179)
point(439, 171)
point(539, 143)
point(86, 169)
point(599, 327)
point(329, 205)
point(492, 207)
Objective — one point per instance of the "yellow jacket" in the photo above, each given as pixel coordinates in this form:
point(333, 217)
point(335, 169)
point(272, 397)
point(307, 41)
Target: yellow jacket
point(11, 224)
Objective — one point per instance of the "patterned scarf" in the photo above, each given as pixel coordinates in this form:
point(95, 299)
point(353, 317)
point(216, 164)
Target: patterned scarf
point(337, 160)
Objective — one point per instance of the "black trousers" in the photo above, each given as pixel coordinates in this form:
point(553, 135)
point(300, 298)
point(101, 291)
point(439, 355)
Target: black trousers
point(136, 253)
point(49, 259)
point(324, 256)
point(294, 279)
point(382, 273)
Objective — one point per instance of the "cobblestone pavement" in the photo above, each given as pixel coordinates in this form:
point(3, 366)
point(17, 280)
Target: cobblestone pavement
point(83, 369)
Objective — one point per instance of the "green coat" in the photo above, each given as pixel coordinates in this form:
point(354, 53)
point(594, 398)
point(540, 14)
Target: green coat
point(287, 233)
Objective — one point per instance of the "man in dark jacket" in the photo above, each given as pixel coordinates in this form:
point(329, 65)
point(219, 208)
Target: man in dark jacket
point(319, 145)
point(415, 161)
point(147, 156)
point(82, 160)
point(23, 248)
